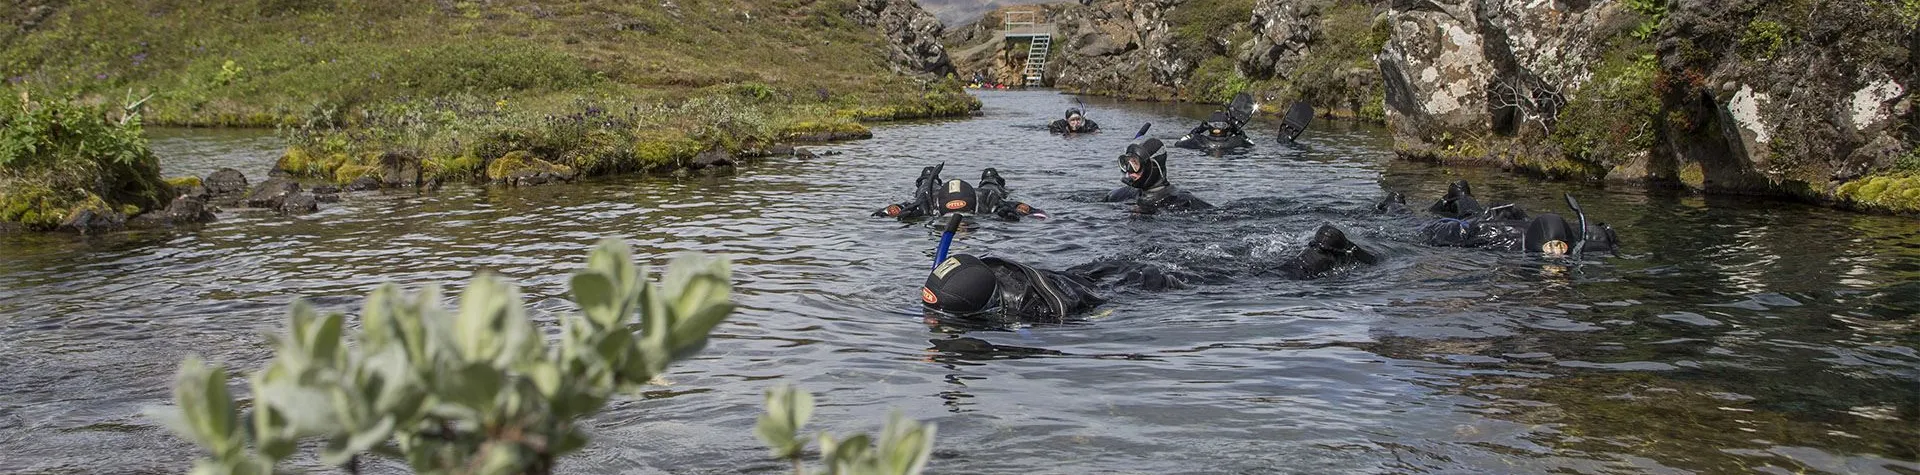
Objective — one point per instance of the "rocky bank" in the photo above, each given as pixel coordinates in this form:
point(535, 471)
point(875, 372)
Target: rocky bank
point(1803, 98)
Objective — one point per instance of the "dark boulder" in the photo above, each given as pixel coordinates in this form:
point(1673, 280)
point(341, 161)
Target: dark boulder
point(364, 183)
point(272, 193)
point(225, 181)
point(188, 209)
point(400, 170)
point(92, 220)
point(804, 153)
point(714, 158)
point(299, 202)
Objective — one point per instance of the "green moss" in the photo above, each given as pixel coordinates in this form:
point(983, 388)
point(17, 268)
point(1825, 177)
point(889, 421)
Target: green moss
point(1764, 38)
point(521, 161)
point(1693, 176)
point(665, 148)
point(183, 182)
point(1899, 193)
point(1216, 81)
point(347, 173)
point(1612, 116)
point(824, 129)
point(463, 167)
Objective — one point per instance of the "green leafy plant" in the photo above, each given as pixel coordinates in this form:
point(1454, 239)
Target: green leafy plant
point(479, 390)
point(903, 448)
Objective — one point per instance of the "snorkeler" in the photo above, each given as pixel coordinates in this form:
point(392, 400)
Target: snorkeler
point(999, 290)
point(934, 198)
point(1144, 172)
point(1075, 122)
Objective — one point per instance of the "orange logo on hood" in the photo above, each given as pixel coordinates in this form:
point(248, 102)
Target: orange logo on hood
point(956, 204)
point(926, 295)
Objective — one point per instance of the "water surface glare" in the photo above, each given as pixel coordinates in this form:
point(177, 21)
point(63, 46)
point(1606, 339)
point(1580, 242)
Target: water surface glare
point(1736, 335)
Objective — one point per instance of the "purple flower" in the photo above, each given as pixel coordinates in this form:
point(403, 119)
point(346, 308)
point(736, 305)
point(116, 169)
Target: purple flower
point(138, 59)
point(17, 79)
point(101, 76)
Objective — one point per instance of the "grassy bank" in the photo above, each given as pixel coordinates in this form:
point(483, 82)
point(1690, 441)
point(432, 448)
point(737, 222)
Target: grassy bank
point(59, 159)
point(459, 80)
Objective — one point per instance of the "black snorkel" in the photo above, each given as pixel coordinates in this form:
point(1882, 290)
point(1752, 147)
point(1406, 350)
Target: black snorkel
point(946, 239)
point(1582, 243)
point(1296, 122)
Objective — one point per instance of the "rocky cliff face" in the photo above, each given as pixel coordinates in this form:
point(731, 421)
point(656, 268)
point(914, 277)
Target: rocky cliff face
point(912, 33)
point(1727, 96)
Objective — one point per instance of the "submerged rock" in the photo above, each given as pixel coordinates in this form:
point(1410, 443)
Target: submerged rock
point(89, 220)
point(272, 193)
point(184, 210)
point(225, 181)
point(364, 183)
point(299, 202)
point(712, 158)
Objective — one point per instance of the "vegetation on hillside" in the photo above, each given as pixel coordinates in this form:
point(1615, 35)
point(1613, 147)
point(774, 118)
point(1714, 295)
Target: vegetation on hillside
point(430, 79)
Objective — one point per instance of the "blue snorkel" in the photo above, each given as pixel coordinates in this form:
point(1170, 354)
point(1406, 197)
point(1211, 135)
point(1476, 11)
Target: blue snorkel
point(946, 239)
point(1143, 130)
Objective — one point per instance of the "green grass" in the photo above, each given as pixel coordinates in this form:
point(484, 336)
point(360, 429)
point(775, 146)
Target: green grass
point(460, 83)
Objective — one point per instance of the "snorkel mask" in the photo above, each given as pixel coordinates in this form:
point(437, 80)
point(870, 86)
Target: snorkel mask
point(1144, 165)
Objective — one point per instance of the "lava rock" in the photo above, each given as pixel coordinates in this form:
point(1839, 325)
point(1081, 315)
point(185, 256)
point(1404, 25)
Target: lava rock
point(272, 193)
point(225, 181)
point(299, 202)
point(364, 183)
point(188, 209)
point(92, 221)
point(714, 158)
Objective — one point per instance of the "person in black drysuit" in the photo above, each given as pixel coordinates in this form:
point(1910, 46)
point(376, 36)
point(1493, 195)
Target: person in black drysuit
point(1144, 172)
point(1463, 222)
point(1327, 250)
point(933, 198)
point(995, 290)
point(1075, 122)
point(1219, 124)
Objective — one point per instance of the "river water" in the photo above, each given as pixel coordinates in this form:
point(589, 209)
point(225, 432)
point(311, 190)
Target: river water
point(1734, 335)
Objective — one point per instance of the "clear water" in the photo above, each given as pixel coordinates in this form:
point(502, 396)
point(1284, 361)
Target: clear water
point(1737, 335)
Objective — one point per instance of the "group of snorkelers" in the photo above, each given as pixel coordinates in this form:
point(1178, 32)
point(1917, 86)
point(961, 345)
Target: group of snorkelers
point(999, 290)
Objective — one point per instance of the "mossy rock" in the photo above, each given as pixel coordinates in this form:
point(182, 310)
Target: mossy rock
point(348, 172)
point(520, 164)
point(1894, 193)
point(814, 131)
point(660, 149)
point(301, 163)
point(464, 167)
point(1693, 176)
point(183, 182)
point(36, 207)
point(601, 152)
